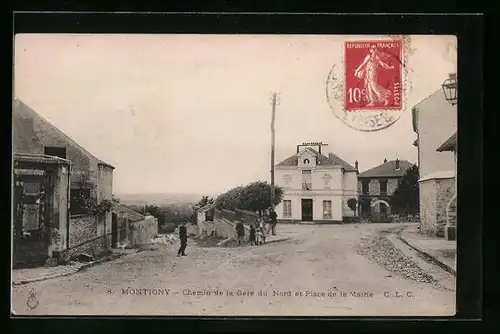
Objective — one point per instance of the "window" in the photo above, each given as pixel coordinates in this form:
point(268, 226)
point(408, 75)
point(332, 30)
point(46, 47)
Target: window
point(78, 197)
point(383, 187)
point(55, 151)
point(327, 209)
point(306, 180)
point(365, 185)
point(287, 209)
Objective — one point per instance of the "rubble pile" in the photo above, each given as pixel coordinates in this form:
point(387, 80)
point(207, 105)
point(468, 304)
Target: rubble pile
point(166, 239)
point(380, 250)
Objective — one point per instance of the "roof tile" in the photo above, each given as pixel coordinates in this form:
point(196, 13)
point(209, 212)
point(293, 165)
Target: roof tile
point(387, 169)
point(331, 160)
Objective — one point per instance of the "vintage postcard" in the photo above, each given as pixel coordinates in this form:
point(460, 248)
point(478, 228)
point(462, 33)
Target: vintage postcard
point(234, 175)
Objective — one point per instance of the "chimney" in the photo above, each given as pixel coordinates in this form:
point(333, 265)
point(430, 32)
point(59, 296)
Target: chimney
point(397, 163)
point(356, 165)
point(385, 160)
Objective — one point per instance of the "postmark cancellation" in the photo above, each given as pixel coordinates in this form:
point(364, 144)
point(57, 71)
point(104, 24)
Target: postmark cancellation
point(367, 91)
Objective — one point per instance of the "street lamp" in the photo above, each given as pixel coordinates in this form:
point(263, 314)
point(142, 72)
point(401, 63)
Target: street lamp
point(450, 89)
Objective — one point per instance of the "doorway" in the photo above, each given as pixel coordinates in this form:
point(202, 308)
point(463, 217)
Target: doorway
point(307, 209)
point(31, 221)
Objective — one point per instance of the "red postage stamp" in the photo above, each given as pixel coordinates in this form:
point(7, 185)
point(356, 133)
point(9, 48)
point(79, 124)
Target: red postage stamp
point(373, 75)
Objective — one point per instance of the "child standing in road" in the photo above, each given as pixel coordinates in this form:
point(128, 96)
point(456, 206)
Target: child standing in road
point(240, 232)
point(252, 235)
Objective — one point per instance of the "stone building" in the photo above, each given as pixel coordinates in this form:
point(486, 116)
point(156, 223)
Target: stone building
point(434, 120)
point(376, 185)
point(316, 187)
point(89, 177)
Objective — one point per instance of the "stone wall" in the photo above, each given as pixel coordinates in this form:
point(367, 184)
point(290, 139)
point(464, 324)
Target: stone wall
point(444, 193)
point(434, 197)
point(224, 226)
point(83, 236)
point(427, 190)
point(81, 229)
point(141, 232)
point(205, 228)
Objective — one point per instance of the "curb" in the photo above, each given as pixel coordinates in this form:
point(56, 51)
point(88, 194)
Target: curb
point(274, 241)
point(81, 268)
point(429, 256)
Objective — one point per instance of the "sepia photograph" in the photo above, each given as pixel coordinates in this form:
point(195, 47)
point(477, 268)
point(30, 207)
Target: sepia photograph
point(234, 175)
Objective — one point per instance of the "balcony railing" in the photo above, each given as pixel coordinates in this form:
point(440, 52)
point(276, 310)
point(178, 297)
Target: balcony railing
point(306, 186)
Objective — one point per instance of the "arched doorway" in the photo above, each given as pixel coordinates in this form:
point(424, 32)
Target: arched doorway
point(381, 210)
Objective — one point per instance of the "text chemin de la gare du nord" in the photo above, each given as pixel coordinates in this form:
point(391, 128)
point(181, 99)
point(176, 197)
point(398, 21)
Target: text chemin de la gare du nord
point(335, 293)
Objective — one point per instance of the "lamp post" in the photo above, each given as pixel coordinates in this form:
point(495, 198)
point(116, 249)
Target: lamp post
point(450, 89)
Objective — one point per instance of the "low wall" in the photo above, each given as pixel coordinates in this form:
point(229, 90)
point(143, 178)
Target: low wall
point(94, 247)
point(226, 228)
point(434, 197)
point(83, 237)
point(82, 228)
point(248, 217)
point(205, 228)
point(142, 231)
point(192, 229)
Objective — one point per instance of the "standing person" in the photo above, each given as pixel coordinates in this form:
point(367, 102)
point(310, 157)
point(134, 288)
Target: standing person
point(273, 220)
point(252, 235)
point(183, 237)
point(240, 231)
point(261, 231)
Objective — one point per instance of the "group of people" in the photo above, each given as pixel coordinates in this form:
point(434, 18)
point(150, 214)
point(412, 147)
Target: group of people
point(258, 231)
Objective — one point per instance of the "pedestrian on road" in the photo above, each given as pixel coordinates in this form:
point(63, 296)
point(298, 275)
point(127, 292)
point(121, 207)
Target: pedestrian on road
point(240, 231)
point(183, 238)
point(252, 235)
point(260, 232)
point(273, 221)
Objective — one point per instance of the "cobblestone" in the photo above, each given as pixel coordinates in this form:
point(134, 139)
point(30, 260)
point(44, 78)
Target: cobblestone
point(381, 251)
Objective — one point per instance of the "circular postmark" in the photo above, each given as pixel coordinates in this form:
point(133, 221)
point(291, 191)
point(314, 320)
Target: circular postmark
point(368, 91)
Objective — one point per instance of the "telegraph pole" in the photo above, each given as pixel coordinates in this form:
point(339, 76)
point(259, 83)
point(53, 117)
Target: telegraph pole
point(274, 102)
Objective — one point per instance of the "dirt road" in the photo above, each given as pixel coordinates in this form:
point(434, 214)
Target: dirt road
point(318, 271)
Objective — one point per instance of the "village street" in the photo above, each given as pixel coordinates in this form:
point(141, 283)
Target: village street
point(320, 270)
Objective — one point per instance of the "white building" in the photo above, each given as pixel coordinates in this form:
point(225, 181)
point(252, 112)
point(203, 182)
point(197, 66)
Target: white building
point(317, 187)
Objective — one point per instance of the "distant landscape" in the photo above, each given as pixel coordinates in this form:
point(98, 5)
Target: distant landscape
point(161, 198)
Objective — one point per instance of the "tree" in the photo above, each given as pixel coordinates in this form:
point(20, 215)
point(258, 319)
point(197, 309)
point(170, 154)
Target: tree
point(255, 196)
point(352, 204)
point(230, 200)
point(115, 199)
point(405, 198)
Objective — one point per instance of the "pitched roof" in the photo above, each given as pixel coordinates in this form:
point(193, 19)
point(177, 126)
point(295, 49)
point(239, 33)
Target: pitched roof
point(207, 207)
point(322, 160)
point(450, 144)
point(21, 107)
point(133, 216)
point(387, 169)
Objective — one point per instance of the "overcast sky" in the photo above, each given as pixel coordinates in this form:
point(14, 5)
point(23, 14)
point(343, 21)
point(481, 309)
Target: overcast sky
point(191, 113)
